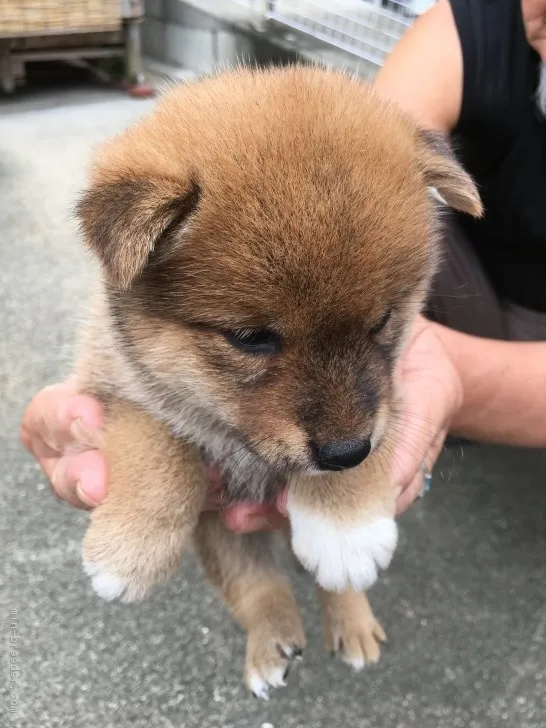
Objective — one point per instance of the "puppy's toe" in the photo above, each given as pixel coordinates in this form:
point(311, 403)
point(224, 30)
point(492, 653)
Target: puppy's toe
point(260, 682)
point(360, 646)
point(111, 585)
point(270, 658)
point(107, 585)
point(355, 636)
point(125, 560)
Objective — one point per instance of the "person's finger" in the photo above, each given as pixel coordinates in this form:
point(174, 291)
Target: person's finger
point(249, 517)
point(280, 502)
point(430, 392)
point(416, 485)
point(214, 501)
point(215, 493)
point(409, 494)
point(58, 418)
point(80, 479)
point(214, 478)
point(415, 432)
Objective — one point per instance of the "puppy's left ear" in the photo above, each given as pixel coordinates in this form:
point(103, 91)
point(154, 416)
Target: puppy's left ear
point(446, 178)
point(123, 221)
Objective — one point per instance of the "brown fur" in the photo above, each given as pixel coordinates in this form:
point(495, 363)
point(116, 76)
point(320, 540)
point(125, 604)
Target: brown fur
point(155, 481)
point(292, 200)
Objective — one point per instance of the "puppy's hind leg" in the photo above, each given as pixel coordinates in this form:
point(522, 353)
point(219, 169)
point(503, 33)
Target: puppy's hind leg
point(350, 627)
point(156, 491)
point(244, 570)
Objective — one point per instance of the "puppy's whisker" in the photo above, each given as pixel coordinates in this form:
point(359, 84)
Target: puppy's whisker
point(414, 423)
point(406, 434)
point(409, 446)
point(399, 414)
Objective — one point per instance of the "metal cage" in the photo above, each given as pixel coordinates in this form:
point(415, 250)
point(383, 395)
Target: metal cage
point(363, 31)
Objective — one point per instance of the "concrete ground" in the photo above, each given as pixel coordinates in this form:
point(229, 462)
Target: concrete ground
point(464, 602)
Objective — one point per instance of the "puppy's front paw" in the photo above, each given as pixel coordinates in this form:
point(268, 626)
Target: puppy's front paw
point(107, 585)
point(271, 652)
point(126, 560)
point(341, 556)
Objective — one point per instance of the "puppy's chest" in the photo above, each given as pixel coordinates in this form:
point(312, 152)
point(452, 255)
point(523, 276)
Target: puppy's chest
point(244, 475)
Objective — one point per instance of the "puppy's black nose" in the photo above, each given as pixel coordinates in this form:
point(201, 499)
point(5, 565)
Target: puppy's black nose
point(342, 454)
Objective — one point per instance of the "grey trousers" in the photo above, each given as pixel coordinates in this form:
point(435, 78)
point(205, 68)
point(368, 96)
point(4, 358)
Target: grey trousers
point(463, 298)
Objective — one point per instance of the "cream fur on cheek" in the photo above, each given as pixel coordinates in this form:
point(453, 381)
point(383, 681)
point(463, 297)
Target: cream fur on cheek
point(337, 555)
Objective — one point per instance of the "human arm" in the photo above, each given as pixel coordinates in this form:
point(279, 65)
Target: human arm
point(480, 389)
point(424, 72)
point(504, 389)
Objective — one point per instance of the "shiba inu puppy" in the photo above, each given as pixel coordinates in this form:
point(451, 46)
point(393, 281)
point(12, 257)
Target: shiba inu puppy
point(267, 238)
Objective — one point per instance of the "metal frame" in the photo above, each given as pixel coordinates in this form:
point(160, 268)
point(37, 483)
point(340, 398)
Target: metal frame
point(16, 49)
point(366, 30)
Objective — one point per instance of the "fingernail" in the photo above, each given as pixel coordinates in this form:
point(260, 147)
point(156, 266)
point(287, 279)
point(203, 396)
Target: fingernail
point(212, 473)
point(57, 476)
point(214, 502)
point(256, 523)
point(281, 502)
point(89, 490)
point(80, 433)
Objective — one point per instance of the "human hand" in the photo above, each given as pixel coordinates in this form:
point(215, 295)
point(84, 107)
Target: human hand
point(431, 392)
point(61, 429)
point(246, 516)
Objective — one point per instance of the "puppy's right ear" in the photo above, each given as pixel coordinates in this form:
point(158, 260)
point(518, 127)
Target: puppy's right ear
point(123, 221)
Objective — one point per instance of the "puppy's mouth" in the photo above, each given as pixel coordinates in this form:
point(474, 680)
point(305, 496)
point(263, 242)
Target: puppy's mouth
point(275, 458)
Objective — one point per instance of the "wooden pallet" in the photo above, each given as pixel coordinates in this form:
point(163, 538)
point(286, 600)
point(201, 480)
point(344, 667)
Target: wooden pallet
point(40, 17)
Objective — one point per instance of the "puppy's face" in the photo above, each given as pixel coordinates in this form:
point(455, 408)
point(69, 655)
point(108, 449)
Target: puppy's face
point(268, 238)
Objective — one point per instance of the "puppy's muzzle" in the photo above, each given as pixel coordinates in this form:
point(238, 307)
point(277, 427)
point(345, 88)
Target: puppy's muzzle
point(342, 454)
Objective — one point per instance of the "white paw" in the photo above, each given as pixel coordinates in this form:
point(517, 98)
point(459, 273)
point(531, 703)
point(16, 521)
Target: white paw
point(259, 683)
point(107, 585)
point(341, 556)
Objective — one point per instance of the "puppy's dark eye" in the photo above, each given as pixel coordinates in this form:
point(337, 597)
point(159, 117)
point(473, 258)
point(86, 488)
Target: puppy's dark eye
point(380, 325)
point(255, 341)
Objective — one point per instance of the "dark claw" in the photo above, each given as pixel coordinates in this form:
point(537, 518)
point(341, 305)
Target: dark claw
point(291, 653)
point(286, 672)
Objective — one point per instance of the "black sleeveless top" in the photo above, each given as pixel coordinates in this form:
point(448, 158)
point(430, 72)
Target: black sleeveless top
point(501, 140)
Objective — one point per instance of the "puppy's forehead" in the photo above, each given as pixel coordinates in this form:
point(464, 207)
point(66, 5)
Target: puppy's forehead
point(310, 189)
point(324, 250)
point(318, 223)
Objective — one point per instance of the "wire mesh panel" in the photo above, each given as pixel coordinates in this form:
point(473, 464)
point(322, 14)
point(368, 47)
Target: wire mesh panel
point(368, 29)
point(365, 29)
point(20, 18)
